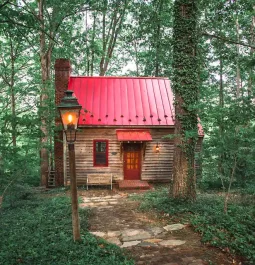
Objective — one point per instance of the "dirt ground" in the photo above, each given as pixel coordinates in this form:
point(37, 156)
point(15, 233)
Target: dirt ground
point(125, 215)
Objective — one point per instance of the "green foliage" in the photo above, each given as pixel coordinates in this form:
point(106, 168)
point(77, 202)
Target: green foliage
point(233, 231)
point(185, 86)
point(17, 193)
point(227, 87)
point(39, 231)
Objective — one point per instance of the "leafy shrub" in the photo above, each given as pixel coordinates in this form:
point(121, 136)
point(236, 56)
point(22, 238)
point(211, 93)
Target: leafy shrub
point(234, 230)
point(249, 189)
point(17, 193)
point(40, 232)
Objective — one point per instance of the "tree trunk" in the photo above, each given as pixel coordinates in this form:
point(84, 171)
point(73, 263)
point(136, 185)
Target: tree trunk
point(158, 39)
point(238, 75)
point(13, 99)
point(230, 184)
point(185, 86)
point(87, 46)
point(136, 58)
point(93, 45)
point(45, 73)
point(252, 42)
point(221, 124)
point(109, 39)
point(180, 163)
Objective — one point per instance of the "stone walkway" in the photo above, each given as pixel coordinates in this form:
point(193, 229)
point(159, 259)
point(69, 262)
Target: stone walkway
point(148, 239)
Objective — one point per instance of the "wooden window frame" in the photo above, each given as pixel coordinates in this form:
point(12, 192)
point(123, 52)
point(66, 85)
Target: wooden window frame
point(94, 152)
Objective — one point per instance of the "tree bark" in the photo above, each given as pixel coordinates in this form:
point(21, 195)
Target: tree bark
point(158, 39)
point(221, 123)
point(13, 98)
point(185, 86)
point(136, 58)
point(45, 73)
point(87, 46)
point(180, 162)
point(252, 49)
point(230, 184)
point(238, 75)
point(93, 45)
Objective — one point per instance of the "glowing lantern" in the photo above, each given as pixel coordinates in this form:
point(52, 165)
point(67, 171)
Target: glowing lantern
point(69, 110)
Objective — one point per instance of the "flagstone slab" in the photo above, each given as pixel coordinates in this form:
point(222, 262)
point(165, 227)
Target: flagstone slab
point(131, 232)
point(114, 240)
point(133, 235)
point(153, 240)
point(171, 243)
point(142, 236)
point(174, 227)
point(107, 197)
point(113, 233)
point(97, 233)
point(113, 202)
point(156, 230)
point(147, 244)
point(130, 244)
point(95, 198)
point(100, 203)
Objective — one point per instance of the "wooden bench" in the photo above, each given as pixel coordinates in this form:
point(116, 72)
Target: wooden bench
point(99, 179)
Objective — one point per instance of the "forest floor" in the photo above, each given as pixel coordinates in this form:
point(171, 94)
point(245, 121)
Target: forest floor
point(147, 237)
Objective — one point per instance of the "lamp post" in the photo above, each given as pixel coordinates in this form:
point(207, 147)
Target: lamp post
point(69, 110)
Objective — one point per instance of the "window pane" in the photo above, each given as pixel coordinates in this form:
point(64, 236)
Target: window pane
point(101, 147)
point(100, 159)
point(100, 155)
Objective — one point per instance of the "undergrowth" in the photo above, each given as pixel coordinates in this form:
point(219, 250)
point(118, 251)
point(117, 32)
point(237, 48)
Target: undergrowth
point(232, 232)
point(39, 231)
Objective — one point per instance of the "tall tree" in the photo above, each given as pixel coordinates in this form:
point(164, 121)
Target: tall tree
point(226, 92)
point(185, 85)
point(49, 19)
point(117, 11)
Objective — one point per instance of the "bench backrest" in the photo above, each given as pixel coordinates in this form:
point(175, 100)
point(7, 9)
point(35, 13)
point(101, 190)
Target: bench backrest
point(99, 178)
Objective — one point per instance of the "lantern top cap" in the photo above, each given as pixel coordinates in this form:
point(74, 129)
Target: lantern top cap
point(69, 101)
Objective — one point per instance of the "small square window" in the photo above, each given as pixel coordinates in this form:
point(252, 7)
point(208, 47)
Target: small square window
point(100, 150)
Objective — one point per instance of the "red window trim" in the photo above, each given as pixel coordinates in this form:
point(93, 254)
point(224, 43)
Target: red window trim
point(94, 152)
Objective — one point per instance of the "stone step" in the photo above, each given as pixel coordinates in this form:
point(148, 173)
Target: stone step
point(133, 185)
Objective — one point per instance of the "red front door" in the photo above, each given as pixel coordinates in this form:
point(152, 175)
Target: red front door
point(132, 161)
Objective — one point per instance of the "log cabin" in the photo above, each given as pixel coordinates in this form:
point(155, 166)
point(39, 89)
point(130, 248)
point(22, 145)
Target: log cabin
point(123, 127)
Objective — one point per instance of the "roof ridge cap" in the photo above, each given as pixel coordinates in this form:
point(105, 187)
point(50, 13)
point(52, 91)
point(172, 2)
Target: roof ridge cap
point(122, 77)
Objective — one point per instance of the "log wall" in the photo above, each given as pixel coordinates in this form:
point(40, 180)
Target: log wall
point(155, 166)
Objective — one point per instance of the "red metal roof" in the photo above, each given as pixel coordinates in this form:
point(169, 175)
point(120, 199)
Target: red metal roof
point(133, 135)
point(124, 101)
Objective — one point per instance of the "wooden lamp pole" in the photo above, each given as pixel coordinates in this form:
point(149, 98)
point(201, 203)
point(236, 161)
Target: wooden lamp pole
point(69, 109)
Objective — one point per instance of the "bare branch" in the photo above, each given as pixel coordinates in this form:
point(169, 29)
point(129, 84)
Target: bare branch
point(227, 40)
point(4, 4)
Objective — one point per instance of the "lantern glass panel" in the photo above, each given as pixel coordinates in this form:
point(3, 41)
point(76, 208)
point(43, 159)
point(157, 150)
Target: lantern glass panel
point(70, 118)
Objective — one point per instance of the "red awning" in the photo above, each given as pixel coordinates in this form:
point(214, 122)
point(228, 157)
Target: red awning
point(133, 135)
